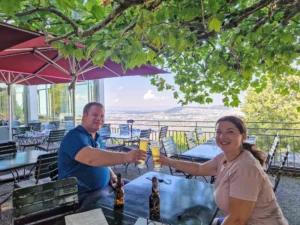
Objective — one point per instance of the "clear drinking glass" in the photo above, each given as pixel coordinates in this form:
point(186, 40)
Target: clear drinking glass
point(143, 147)
point(155, 155)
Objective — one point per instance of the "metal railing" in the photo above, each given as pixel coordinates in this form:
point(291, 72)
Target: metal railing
point(264, 135)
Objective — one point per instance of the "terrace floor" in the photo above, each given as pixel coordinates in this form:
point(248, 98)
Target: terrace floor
point(287, 194)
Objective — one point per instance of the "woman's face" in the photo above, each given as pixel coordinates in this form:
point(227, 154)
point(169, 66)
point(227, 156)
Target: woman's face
point(228, 137)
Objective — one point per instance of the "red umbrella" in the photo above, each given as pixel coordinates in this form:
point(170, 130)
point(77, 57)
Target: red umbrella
point(29, 54)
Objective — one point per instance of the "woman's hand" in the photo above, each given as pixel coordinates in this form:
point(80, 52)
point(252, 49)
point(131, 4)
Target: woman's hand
point(163, 160)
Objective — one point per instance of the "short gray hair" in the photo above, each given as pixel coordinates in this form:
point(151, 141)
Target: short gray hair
point(88, 106)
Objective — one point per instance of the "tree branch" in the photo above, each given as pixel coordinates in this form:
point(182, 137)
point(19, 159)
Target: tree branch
point(202, 12)
point(52, 10)
point(115, 13)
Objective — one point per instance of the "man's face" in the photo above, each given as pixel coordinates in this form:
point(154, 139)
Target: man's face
point(94, 120)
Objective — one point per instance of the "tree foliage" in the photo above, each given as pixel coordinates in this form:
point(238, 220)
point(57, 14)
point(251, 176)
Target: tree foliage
point(277, 106)
point(220, 46)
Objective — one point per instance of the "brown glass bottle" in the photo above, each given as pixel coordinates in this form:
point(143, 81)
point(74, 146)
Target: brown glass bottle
point(154, 201)
point(119, 193)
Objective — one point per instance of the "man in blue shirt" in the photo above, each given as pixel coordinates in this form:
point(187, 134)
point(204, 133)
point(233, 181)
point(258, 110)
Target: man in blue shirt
point(81, 155)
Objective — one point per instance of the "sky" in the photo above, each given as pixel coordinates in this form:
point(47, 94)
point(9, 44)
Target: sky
point(137, 93)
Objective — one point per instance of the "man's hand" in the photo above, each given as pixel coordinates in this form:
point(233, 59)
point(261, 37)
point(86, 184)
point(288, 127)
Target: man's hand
point(113, 179)
point(134, 156)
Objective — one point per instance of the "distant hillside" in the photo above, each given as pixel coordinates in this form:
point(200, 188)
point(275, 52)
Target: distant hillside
point(185, 109)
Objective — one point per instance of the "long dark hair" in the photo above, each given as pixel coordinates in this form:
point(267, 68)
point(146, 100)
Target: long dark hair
point(240, 125)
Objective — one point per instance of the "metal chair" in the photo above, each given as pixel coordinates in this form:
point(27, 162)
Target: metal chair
point(53, 171)
point(56, 124)
point(271, 155)
point(190, 139)
point(275, 181)
point(42, 173)
point(53, 141)
point(199, 135)
point(35, 126)
point(134, 144)
point(105, 131)
point(124, 129)
point(45, 203)
point(169, 149)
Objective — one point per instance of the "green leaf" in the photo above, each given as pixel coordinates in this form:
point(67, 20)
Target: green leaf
point(171, 40)
point(214, 24)
point(209, 100)
point(78, 53)
point(89, 4)
point(10, 6)
point(287, 38)
point(298, 109)
point(150, 56)
point(137, 29)
point(98, 12)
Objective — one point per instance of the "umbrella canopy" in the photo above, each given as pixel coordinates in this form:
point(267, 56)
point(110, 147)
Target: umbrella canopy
point(30, 55)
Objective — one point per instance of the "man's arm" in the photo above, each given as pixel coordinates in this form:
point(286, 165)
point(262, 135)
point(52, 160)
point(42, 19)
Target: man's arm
point(95, 157)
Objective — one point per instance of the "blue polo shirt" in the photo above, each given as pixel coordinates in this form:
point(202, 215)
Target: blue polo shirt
point(89, 178)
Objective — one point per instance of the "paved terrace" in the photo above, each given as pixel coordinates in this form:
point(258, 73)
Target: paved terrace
point(287, 194)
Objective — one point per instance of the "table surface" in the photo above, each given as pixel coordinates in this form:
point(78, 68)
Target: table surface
point(208, 150)
point(19, 160)
point(193, 199)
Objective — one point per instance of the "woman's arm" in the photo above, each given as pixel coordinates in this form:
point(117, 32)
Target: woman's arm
point(195, 169)
point(239, 211)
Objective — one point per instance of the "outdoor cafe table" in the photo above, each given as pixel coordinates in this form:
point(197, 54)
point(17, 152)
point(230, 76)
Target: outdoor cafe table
point(16, 161)
point(19, 160)
point(192, 199)
point(123, 136)
point(207, 150)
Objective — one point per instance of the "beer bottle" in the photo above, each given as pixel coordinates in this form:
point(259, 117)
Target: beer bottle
point(154, 201)
point(119, 193)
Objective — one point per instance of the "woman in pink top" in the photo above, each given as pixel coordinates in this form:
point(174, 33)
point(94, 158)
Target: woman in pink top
point(242, 189)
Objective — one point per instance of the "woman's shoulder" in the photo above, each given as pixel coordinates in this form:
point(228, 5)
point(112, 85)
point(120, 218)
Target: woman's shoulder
point(247, 162)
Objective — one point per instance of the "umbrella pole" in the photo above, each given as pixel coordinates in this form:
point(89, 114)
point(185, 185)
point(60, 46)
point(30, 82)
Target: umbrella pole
point(74, 106)
point(9, 112)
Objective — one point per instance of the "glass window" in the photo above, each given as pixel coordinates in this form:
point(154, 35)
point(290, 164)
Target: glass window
point(55, 101)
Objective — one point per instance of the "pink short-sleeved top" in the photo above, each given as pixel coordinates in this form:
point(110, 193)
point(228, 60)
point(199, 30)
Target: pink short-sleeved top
point(244, 178)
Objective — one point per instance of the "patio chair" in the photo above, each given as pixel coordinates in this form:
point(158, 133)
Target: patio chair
point(35, 126)
point(169, 149)
point(53, 141)
point(271, 155)
point(45, 203)
point(53, 171)
point(20, 131)
point(275, 181)
point(124, 129)
point(54, 125)
point(42, 173)
point(162, 134)
point(134, 144)
point(199, 135)
point(190, 139)
point(105, 133)
point(10, 149)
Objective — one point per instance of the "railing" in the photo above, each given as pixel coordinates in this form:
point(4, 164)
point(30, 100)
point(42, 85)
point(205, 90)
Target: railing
point(264, 135)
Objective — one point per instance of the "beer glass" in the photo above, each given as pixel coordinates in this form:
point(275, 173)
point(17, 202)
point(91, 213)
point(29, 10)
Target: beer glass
point(143, 147)
point(155, 155)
